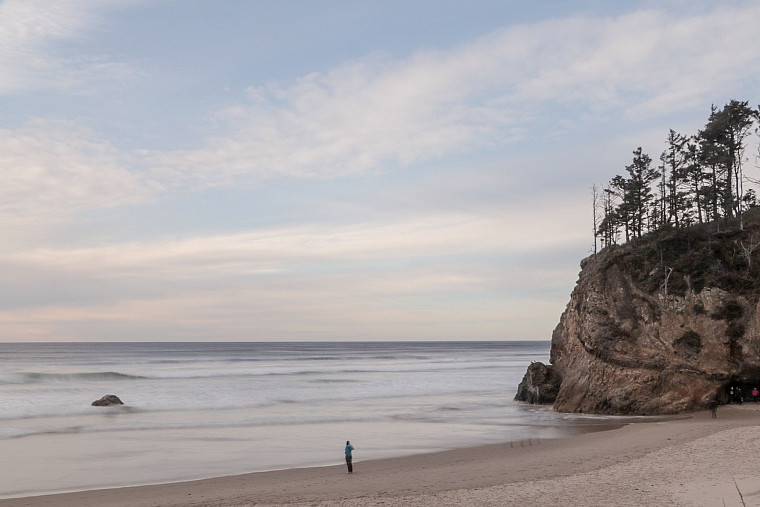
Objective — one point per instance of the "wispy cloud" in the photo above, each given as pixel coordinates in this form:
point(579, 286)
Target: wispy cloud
point(496, 231)
point(29, 60)
point(322, 278)
point(377, 114)
point(376, 111)
point(54, 170)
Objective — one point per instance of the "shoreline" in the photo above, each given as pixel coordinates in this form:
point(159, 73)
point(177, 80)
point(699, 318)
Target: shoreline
point(642, 463)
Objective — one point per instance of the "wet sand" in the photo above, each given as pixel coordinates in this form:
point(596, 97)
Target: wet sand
point(690, 461)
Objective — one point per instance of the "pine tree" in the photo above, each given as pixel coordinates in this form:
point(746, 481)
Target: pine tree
point(638, 195)
point(677, 205)
point(609, 227)
point(694, 177)
point(712, 158)
point(623, 213)
point(724, 141)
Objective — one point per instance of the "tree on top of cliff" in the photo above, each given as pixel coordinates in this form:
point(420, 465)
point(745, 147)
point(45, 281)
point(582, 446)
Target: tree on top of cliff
point(724, 138)
point(676, 198)
point(702, 180)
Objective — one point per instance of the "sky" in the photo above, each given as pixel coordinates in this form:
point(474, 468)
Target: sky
point(254, 170)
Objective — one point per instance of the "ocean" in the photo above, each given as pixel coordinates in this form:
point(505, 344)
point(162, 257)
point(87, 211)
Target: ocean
point(198, 410)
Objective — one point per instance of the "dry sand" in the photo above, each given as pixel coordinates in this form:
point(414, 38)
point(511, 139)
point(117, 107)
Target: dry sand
point(692, 461)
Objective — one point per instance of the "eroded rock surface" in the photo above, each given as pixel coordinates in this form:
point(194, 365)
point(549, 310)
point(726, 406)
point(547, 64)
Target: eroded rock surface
point(621, 350)
point(540, 384)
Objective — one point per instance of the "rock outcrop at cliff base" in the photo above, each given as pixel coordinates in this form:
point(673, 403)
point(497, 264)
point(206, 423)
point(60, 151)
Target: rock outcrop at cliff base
point(622, 349)
point(540, 384)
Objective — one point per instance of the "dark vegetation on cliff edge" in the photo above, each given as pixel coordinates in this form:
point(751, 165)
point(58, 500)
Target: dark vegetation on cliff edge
point(718, 254)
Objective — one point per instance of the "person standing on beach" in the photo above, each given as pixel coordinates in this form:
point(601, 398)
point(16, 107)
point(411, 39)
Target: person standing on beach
point(349, 457)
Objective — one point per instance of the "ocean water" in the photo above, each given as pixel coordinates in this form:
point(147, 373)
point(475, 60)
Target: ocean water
point(197, 410)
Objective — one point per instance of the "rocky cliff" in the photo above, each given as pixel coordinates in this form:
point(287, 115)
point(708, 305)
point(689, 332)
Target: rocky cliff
point(659, 327)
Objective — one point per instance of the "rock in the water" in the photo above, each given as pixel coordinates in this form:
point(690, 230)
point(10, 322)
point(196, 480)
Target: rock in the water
point(540, 384)
point(107, 400)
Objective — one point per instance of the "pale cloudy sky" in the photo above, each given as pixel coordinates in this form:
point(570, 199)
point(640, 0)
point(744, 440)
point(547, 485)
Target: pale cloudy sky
point(332, 170)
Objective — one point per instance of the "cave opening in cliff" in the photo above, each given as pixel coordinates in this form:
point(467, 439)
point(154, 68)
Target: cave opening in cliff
point(742, 389)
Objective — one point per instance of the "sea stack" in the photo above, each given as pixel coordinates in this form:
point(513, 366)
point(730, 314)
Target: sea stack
point(662, 325)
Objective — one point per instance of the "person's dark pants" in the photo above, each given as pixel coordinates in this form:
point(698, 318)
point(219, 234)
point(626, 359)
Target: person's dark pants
point(349, 465)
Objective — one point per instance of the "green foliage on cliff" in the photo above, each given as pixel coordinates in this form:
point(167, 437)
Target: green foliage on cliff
point(717, 254)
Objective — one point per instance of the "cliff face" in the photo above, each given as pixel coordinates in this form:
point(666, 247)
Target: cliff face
point(621, 349)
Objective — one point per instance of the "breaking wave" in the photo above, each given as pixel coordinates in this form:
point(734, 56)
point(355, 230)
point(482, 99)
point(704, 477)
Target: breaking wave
point(36, 377)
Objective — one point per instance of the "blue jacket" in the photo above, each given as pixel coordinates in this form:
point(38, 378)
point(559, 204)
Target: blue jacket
point(349, 448)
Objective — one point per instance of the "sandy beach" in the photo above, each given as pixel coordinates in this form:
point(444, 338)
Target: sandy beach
point(695, 460)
